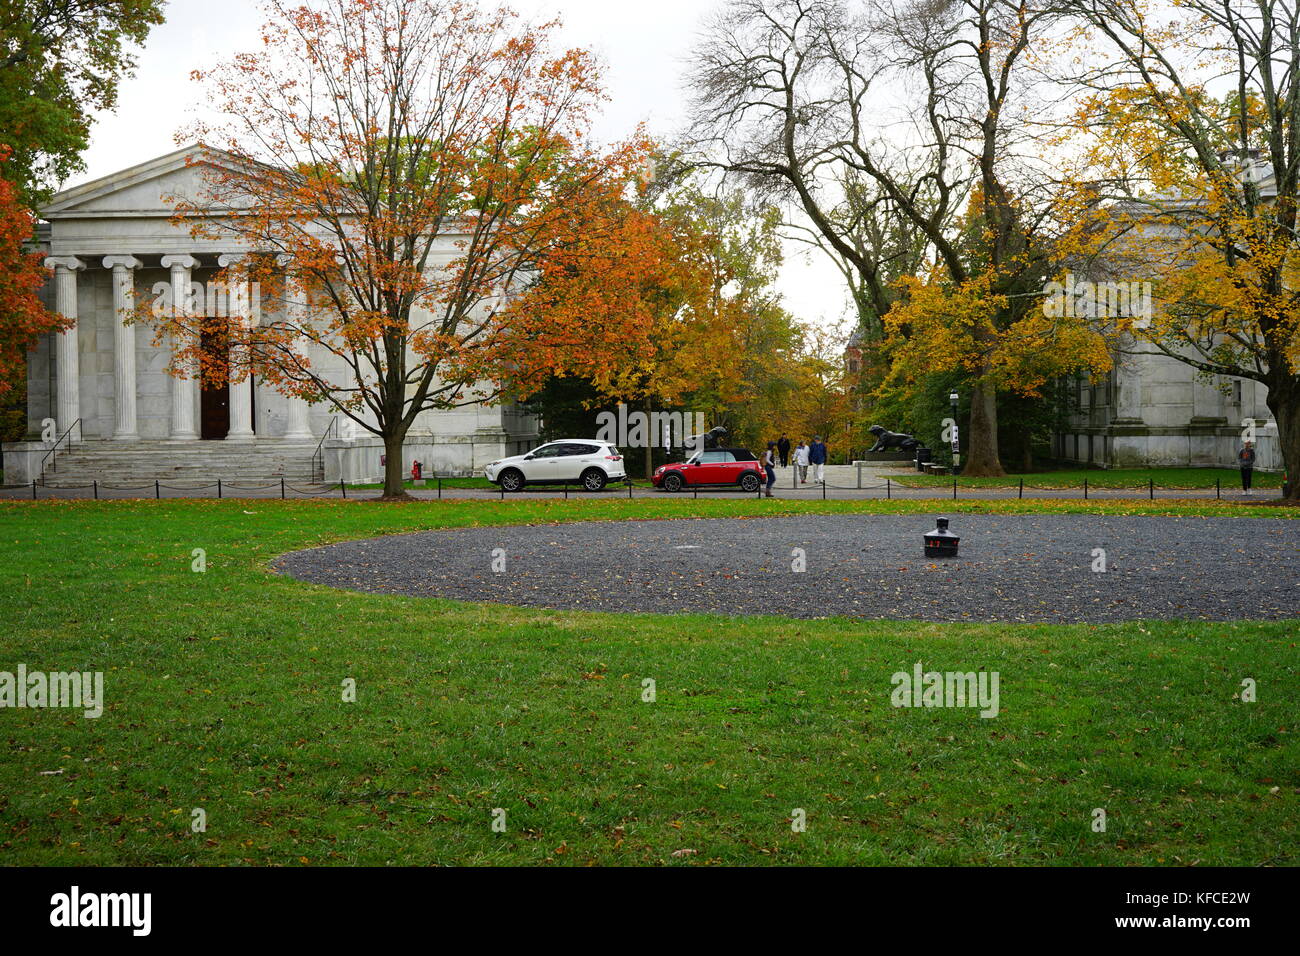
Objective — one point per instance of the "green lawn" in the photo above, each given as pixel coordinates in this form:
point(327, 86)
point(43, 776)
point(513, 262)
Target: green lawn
point(224, 693)
point(1137, 478)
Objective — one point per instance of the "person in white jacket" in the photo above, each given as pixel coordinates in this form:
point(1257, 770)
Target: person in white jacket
point(801, 462)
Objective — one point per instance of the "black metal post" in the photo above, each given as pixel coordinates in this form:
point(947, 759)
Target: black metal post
point(889, 492)
point(956, 443)
point(1216, 489)
point(439, 489)
point(1151, 488)
point(1085, 489)
point(343, 488)
point(218, 487)
point(157, 491)
point(954, 489)
point(1022, 488)
point(95, 484)
point(33, 489)
point(281, 489)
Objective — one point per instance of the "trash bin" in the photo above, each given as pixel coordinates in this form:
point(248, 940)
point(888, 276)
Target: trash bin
point(922, 456)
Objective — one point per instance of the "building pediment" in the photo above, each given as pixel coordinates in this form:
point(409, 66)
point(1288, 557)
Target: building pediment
point(146, 190)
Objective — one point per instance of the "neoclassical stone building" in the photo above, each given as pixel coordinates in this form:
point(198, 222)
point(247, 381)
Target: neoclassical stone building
point(1154, 410)
point(111, 243)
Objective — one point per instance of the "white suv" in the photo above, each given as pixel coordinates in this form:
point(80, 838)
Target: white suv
point(592, 463)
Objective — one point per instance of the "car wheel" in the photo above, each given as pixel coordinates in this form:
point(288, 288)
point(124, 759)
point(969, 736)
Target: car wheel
point(593, 479)
point(673, 482)
point(512, 479)
point(749, 482)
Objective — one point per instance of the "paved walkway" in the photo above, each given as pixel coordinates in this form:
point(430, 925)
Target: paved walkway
point(842, 484)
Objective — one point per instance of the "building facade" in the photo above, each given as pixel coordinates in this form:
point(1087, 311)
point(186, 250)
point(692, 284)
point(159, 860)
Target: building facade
point(103, 385)
point(1154, 411)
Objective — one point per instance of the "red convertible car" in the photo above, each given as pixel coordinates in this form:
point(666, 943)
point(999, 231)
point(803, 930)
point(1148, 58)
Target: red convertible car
point(713, 466)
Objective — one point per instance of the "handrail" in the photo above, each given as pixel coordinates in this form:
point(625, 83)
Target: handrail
point(51, 456)
point(319, 454)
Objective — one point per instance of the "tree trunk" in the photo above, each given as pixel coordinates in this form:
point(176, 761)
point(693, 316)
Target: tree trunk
point(1284, 403)
point(982, 460)
point(393, 471)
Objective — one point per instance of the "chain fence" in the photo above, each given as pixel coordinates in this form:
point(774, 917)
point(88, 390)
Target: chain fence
point(441, 486)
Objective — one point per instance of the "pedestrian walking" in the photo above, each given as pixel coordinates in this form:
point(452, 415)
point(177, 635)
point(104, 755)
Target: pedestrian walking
point(769, 464)
point(817, 458)
point(801, 463)
point(1246, 462)
point(783, 449)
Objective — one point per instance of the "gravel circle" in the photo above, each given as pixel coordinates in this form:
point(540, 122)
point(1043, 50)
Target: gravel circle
point(1032, 568)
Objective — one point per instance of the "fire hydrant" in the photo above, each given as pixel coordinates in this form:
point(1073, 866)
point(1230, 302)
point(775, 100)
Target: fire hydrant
point(416, 471)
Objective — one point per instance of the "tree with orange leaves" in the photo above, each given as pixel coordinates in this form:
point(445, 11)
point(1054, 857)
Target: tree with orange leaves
point(677, 285)
point(399, 170)
point(23, 317)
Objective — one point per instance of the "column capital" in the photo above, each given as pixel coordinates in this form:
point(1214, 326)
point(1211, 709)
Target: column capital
point(64, 262)
point(129, 262)
point(184, 260)
point(227, 259)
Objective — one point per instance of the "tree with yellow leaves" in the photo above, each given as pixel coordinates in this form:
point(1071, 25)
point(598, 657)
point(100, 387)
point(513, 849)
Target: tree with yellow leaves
point(917, 111)
point(1191, 125)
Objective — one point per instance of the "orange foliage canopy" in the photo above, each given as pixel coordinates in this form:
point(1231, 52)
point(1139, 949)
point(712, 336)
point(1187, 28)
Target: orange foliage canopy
point(23, 318)
point(404, 168)
point(635, 308)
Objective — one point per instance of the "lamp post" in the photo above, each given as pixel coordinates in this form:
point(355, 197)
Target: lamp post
point(956, 441)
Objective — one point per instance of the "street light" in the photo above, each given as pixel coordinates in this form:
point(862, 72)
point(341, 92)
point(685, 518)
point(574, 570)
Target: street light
point(956, 441)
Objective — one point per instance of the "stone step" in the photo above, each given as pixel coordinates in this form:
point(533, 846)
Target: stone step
point(188, 462)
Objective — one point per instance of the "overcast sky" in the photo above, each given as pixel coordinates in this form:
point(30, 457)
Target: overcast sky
point(644, 47)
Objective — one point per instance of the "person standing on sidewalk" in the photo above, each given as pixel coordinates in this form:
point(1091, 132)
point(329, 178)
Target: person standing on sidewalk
point(801, 463)
point(817, 458)
point(1246, 461)
point(783, 449)
point(769, 465)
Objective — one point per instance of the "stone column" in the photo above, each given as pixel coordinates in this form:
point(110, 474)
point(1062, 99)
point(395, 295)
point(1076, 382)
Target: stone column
point(241, 393)
point(185, 391)
point(67, 363)
point(125, 427)
point(299, 424)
